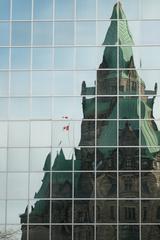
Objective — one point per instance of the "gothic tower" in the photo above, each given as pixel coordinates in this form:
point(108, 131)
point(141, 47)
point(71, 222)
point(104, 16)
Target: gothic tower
point(122, 139)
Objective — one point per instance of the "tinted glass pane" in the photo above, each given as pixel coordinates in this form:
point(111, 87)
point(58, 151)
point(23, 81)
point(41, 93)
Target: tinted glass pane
point(21, 33)
point(42, 58)
point(150, 10)
point(20, 83)
point(3, 159)
point(4, 34)
point(19, 134)
point(41, 103)
point(21, 9)
point(17, 186)
point(42, 82)
point(4, 83)
point(39, 129)
point(61, 62)
point(4, 9)
point(4, 109)
point(20, 58)
point(18, 159)
point(4, 60)
point(64, 9)
point(86, 33)
point(86, 9)
point(64, 33)
point(43, 10)
point(19, 108)
point(42, 33)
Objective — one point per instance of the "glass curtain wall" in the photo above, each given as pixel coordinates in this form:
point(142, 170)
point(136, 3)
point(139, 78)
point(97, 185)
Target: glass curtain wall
point(79, 119)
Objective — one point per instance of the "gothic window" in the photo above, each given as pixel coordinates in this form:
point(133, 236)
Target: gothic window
point(128, 184)
point(130, 213)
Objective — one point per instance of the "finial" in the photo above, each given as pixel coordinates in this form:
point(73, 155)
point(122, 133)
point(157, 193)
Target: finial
point(156, 87)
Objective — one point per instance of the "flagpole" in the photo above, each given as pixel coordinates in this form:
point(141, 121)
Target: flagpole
point(68, 134)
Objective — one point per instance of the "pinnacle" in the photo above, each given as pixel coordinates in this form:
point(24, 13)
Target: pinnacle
point(118, 12)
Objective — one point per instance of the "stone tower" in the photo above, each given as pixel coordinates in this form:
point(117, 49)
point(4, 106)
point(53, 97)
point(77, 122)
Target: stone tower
point(121, 134)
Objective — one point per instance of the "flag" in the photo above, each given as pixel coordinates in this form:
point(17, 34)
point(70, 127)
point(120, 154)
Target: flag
point(66, 128)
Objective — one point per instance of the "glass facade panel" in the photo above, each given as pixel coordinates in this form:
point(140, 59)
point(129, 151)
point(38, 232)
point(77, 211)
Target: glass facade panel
point(79, 119)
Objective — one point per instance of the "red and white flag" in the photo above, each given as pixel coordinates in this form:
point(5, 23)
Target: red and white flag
point(66, 128)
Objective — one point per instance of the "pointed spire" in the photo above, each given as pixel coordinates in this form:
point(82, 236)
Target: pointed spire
point(47, 165)
point(118, 30)
point(118, 12)
point(26, 210)
point(118, 33)
point(61, 154)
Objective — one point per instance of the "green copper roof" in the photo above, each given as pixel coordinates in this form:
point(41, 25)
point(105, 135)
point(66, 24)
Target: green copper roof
point(129, 109)
point(149, 135)
point(118, 30)
point(44, 189)
point(90, 91)
point(89, 106)
point(47, 165)
point(61, 164)
point(118, 33)
point(40, 207)
point(87, 90)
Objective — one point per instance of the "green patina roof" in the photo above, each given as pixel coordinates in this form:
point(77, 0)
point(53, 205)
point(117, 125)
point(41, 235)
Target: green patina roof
point(40, 207)
point(89, 106)
point(118, 29)
point(47, 165)
point(129, 109)
point(60, 164)
point(44, 190)
point(118, 33)
point(87, 90)
point(90, 91)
